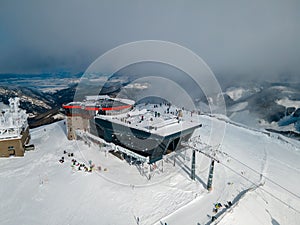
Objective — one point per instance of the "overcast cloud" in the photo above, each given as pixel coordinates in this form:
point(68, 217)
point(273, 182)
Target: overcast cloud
point(257, 38)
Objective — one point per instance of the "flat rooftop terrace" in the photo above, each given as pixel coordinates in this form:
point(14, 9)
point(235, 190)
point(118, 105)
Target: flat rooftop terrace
point(162, 120)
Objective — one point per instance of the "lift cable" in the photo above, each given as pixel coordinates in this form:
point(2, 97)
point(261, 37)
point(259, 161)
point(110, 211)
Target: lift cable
point(261, 188)
point(257, 172)
point(267, 178)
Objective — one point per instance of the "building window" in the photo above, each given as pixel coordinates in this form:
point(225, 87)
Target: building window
point(11, 148)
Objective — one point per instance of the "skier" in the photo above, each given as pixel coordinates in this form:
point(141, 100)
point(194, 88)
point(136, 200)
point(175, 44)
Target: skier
point(213, 218)
point(62, 160)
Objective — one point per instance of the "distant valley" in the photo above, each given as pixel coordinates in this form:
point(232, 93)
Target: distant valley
point(261, 105)
point(40, 94)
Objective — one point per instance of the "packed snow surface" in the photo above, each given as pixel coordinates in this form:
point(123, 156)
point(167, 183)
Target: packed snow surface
point(258, 172)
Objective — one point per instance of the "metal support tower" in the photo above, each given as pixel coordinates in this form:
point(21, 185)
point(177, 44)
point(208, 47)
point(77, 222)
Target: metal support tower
point(193, 165)
point(211, 155)
point(210, 175)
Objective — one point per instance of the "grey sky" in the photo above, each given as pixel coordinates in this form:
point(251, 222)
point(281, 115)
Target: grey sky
point(256, 37)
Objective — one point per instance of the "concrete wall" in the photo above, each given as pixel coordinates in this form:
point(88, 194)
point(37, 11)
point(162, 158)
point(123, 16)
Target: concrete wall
point(11, 147)
point(76, 123)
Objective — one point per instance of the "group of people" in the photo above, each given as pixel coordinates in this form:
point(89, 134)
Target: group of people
point(62, 160)
point(82, 166)
point(79, 166)
point(218, 206)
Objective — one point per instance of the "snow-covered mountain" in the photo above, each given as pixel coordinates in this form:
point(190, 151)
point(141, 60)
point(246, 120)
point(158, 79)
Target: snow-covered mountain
point(258, 172)
point(271, 106)
point(42, 107)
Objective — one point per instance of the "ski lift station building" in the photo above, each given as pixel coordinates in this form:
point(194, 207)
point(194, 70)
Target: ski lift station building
point(14, 129)
point(150, 130)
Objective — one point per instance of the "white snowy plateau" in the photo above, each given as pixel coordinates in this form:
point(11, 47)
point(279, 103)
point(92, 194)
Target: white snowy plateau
point(258, 172)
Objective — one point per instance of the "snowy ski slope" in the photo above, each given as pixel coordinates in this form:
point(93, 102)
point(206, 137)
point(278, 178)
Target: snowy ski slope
point(258, 172)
